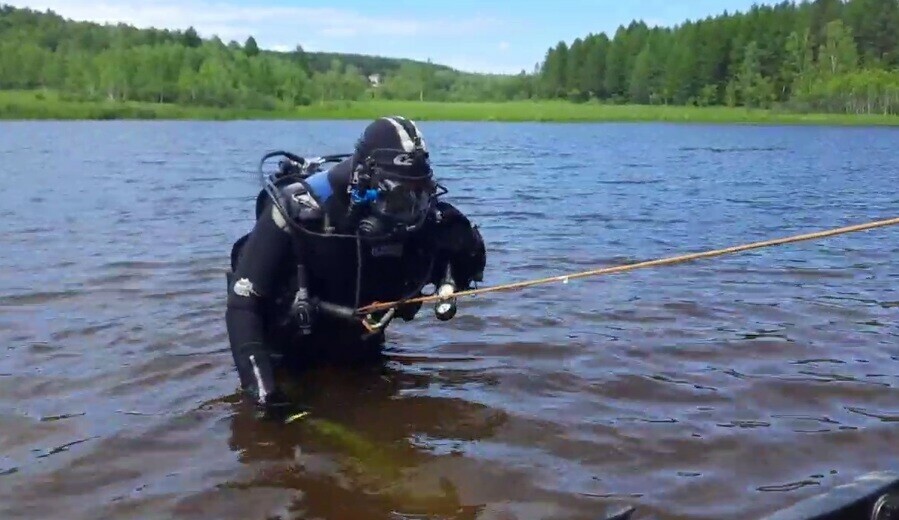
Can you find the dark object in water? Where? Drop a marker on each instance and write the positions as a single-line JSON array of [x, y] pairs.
[[874, 496], [471, 512]]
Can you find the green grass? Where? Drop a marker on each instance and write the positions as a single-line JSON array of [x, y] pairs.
[[47, 105], [563, 111]]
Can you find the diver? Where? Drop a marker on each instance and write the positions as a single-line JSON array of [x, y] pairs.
[[328, 242]]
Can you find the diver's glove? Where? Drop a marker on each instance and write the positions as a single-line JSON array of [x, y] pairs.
[[408, 311]]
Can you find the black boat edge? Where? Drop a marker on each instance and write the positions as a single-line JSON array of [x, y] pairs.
[[873, 496]]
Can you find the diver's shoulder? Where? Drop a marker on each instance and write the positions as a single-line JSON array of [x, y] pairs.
[[296, 202], [446, 213]]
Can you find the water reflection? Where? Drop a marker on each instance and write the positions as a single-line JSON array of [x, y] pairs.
[[372, 446]]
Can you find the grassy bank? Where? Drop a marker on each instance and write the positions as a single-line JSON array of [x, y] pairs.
[[17, 105], [40, 105]]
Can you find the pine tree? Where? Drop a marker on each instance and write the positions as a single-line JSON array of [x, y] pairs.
[[640, 78], [250, 47], [616, 63]]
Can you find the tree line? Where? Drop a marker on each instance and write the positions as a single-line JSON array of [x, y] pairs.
[[90, 61], [826, 55], [823, 55]]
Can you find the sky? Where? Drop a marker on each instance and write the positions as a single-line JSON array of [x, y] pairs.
[[465, 34]]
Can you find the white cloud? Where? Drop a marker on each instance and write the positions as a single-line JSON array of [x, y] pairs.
[[314, 28], [228, 21]]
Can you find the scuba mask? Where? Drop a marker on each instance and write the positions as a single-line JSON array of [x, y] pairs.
[[403, 203], [391, 193]]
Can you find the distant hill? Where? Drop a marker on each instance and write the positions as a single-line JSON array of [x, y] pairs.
[[97, 37], [90, 61], [321, 61]]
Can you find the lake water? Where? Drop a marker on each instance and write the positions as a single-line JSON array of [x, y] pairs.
[[723, 388]]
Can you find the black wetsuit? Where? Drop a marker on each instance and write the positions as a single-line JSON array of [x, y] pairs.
[[264, 267]]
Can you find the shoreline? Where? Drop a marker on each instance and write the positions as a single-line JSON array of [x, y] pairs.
[[46, 106]]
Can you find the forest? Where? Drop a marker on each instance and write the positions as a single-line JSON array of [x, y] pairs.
[[831, 56], [826, 55]]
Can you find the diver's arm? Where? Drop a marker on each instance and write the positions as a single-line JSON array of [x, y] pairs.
[[254, 279], [462, 244]]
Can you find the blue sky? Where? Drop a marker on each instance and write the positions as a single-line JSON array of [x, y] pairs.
[[466, 34]]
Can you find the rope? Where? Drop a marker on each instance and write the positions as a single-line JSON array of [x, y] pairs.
[[652, 263]]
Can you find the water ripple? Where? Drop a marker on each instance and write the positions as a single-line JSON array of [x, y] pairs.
[[118, 393]]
